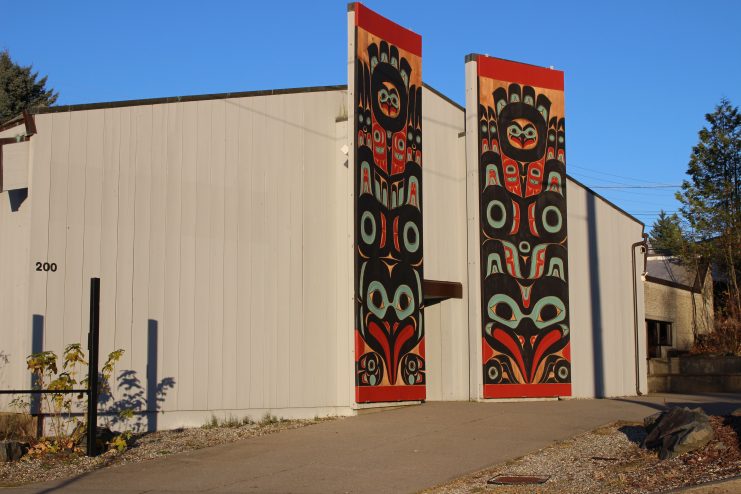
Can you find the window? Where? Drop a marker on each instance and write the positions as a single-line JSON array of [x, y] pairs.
[[659, 334]]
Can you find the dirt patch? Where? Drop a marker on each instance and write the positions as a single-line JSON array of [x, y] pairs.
[[609, 460], [143, 447]]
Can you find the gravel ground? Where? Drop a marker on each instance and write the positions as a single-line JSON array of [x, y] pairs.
[[142, 448], [608, 460]]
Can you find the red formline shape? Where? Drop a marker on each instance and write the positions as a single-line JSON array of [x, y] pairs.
[[526, 390], [376, 24], [522, 73], [368, 394]]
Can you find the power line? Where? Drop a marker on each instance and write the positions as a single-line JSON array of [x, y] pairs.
[[608, 174], [657, 186]]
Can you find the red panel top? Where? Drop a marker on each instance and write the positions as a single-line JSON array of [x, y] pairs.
[[385, 29], [532, 75]]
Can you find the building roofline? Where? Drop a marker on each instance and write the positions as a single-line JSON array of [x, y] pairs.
[[614, 206], [671, 284], [246, 94], [195, 97], [446, 98], [179, 99]]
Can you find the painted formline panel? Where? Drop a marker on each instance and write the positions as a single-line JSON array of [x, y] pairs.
[[389, 332], [523, 230]]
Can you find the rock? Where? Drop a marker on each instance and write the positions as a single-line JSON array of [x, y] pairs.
[[650, 422], [677, 431], [11, 451]]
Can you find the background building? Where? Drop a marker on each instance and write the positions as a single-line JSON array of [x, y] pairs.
[[679, 304]]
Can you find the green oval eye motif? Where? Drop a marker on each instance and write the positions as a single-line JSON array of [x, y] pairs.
[[484, 129], [531, 133], [560, 140], [551, 137], [498, 223], [360, 118], [368, 228], [514, 130], [367, 121], [548, 311], [403, 302], [410, 136], [504, 310], [376, 299], [493, 127], [555, 226], [418, 139], [411, 242]]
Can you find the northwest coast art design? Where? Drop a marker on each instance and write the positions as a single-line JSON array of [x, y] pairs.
[[389, 335], [524, 270]]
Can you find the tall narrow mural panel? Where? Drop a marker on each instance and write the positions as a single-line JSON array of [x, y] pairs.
[[522, 211], [389, 332]]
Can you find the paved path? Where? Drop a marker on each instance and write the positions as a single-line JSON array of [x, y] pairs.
[[401, 450]]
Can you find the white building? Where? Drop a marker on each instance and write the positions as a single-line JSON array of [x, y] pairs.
[[221, 228]]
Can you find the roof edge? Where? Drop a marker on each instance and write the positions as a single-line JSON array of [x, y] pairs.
[[614, 206], [180, 99], [443, 96]]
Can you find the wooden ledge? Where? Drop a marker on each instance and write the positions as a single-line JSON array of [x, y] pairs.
[[437, 291]]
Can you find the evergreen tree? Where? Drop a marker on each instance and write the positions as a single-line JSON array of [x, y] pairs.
[[666, 234], [711, 198], [21, 89]]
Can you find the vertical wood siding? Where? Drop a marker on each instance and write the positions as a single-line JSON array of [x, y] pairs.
[[444, 176], [211, 226], [15, 334]]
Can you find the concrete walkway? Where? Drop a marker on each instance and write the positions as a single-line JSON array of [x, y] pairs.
[[401, 450]]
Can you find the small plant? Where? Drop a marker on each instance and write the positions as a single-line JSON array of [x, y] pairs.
[[231, 421], [270, 419], [121, 441], [62, 407], [211, 423]]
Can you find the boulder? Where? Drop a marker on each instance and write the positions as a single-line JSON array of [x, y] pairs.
[[650, 422], [11, 450], [677, 431]]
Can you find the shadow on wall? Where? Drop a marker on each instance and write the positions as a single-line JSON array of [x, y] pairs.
[[143, 401], [138, 406], [595, 299], [16, 198]]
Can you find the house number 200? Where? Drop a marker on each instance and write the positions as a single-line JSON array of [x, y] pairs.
[[46, 266]]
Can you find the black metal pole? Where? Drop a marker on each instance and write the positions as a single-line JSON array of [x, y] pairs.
[[92, 343]]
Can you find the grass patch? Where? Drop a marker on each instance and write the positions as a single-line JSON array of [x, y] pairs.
[[230, 421]]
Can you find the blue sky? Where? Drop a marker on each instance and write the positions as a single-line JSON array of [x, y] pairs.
[[640, 75]]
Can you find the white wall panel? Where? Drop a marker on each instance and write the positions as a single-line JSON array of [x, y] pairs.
[[15, 165], [444, 203], [601, 295], [212, 229], [222, 232], [15, 270]]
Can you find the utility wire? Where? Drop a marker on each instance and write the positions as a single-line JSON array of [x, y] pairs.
[[570, 166], [657, 186]]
